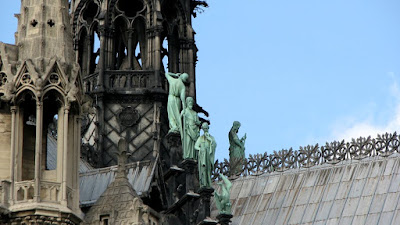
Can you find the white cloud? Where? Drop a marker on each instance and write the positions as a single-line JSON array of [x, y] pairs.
[[354, 128]]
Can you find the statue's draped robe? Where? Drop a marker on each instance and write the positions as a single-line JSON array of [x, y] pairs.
[[236, 152], [235, 149], [206, 149], [176, 87], [191, 133]]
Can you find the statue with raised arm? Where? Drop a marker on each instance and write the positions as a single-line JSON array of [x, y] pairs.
[[176, 98], [206, 146], [222, 199], [236, 148], [191, 129]]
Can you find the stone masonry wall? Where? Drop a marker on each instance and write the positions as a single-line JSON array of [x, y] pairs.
[[5, 145]]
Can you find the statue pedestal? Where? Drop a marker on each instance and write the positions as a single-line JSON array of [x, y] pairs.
[[224, 219], [205, 202], [174, 145], [190, 167]]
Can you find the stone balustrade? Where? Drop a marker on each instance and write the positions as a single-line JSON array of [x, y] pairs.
[[49, 191], [24, 190], [116, 80]]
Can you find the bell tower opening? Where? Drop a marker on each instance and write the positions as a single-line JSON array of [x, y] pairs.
[[28, 113], [51, 110]]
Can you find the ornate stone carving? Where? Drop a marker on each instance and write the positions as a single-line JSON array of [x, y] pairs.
[[54, 79], [26, 79], [3, 79], [128, 117]]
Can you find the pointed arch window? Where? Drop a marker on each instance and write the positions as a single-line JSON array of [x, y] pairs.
[[27, 136], [52, 102]]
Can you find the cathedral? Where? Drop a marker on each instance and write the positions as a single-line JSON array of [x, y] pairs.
[[85, 132]]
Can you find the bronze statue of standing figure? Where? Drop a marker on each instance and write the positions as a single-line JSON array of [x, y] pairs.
[[176, 99], [236, 149], [206, 146], [191, 130]]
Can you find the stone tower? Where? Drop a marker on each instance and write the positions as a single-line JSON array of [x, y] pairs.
[[41, 92], [124, 48]]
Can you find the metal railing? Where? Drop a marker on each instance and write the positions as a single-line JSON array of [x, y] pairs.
[[309, 156]]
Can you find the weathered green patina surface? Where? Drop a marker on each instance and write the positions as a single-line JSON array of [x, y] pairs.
[[222, 199], [191, 130], [206, 146], [176, 99], [236, 148]]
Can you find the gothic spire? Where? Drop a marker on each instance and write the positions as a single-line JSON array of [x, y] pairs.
[[44, 32]]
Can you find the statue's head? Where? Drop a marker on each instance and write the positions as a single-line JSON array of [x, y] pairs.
[[205, 127], [189, 102], [236, 125], [184, 77]]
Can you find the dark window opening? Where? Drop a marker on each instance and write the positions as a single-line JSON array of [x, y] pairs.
[[51, 108], [28, 108], [130, 7], [104, 220], [90, 12]]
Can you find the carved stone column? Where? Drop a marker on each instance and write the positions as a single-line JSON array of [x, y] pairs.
[[13, 149], [38, 149], [65, 157], [130, 49], [102, 58], [157, 55]]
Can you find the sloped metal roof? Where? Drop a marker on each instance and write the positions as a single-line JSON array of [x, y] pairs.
[[51, 158], [351, 192], [94, 182]]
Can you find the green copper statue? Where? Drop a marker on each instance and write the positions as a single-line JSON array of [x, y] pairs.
[[236, 148], [222, 200], [191, 130], [206, 145], [176, 97]]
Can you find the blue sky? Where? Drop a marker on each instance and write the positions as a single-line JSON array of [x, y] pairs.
[[292, 72]]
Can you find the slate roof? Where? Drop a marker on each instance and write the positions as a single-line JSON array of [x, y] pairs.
[[94, 182], [52, 156], [350, 192]]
